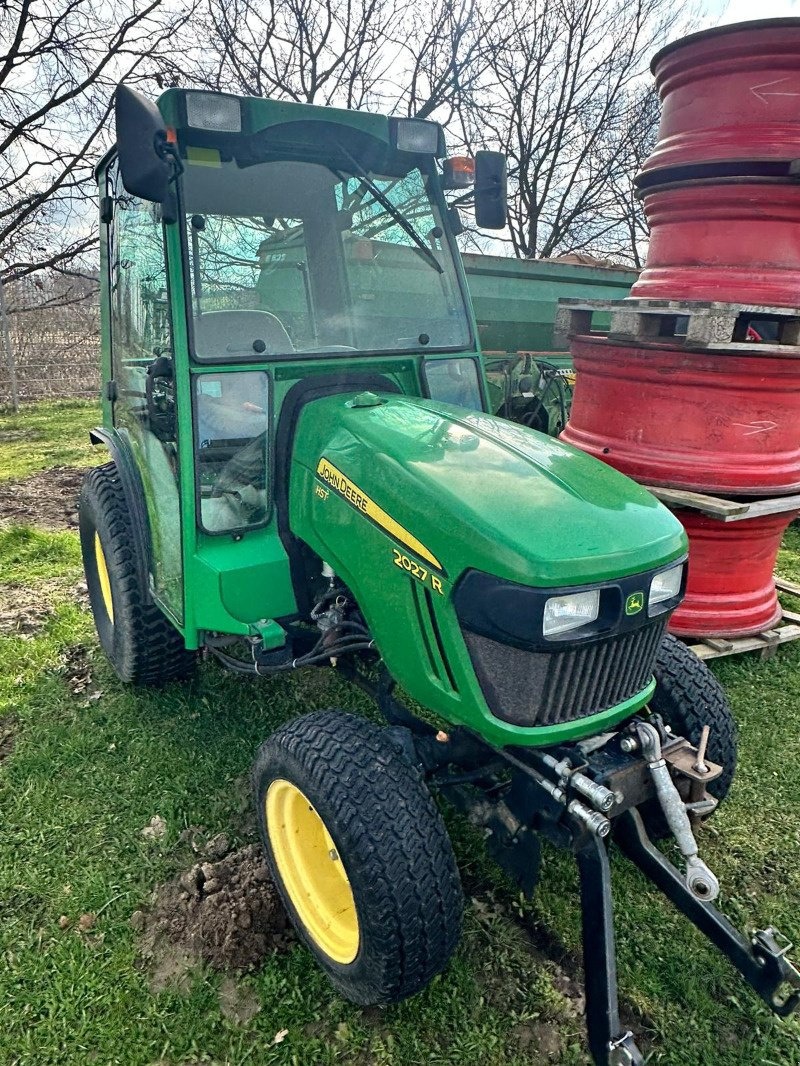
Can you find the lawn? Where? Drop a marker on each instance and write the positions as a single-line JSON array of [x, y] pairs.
[[47, 434], [86, 764]]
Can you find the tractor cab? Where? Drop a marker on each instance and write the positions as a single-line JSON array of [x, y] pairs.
[[250, 245]]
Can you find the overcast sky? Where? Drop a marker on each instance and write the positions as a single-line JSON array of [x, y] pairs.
[[720, 12]]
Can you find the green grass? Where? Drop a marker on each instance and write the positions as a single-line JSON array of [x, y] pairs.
[[30, 555], [87, 774], [84, 778], [46, 434]]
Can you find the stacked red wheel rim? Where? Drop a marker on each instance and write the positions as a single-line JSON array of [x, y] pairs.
[[697, 385], [728, 98]]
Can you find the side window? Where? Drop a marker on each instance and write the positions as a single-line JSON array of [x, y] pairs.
[[453, 381], [231, 422], [142, 366]]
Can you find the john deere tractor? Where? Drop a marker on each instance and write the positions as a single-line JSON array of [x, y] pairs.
[[303, 474]]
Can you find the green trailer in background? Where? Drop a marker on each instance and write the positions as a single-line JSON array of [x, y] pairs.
[[530, 376]]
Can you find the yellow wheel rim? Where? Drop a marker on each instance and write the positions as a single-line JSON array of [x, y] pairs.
[[312, 871], [102, 574]]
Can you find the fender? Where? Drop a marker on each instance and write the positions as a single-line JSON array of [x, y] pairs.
[[134, 497]]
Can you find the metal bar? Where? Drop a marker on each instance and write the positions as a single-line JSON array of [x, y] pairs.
[[608, 1045], [765, 971]]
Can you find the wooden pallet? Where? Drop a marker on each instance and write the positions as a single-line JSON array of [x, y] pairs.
[[766, 643], [689, 324], [722, 509]]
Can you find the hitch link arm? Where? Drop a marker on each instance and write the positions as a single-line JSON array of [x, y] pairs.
[[700, 880], [761, 960]]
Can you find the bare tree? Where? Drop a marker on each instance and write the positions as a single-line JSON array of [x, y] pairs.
[[559, 85], [384, 55], [556, 84], [302, 50], [446, 56], [637, 136], [60, 62], [564, 104]]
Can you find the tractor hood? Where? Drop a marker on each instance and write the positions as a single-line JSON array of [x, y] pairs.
[[470, 491]]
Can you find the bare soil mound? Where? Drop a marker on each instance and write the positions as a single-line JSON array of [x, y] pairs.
[[48, 498], [226, 914]]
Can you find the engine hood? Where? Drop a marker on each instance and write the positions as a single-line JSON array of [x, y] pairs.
[[477, 492]]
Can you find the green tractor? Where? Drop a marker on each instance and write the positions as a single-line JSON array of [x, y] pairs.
[[304, 473]]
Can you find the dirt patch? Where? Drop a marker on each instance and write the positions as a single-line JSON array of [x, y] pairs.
[[23, 619], [226, 914], [238, 1003], [48, 498], [8, 732], [540, 1040], [24, 609]]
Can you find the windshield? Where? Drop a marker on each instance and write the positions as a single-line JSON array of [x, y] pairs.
[[299, 257]]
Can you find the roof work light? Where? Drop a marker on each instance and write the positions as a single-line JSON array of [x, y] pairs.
[[217, 112], [416, 135]]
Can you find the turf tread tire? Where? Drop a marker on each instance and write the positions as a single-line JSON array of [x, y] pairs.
[[393, 843], [142, 644]]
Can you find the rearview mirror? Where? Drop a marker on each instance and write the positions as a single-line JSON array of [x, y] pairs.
[[490, 190], [141, 137]]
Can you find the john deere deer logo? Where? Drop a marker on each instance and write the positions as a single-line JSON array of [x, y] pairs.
[[634, 603]]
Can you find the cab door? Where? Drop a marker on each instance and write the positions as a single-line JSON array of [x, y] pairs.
[[143, 395]]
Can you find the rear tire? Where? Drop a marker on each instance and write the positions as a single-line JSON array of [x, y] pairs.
[[687, 697], [142, 644], [338, 805]]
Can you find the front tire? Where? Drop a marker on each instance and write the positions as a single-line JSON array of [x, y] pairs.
[[142, 644], [360, 855]]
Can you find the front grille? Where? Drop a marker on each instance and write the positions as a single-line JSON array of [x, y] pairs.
[[536, 688]]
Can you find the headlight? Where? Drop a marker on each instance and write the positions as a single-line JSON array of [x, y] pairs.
[[665, 586], [214, 111], [562, 613]]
